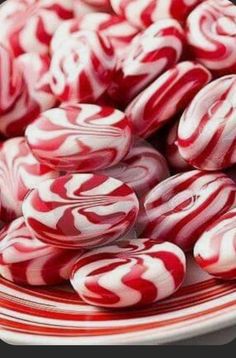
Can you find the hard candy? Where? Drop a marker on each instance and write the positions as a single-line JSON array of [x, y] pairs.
[[11, 80], [142, 13], [181, 207], [27, 261], [166, 97], [80, 211], [30, 24], [19, 173], [81, 69], [207, 129], [157, 49], [81, 138], [35, 98], [129, 274], [99, 4], [215, 251], [211, 32], [142, 169]]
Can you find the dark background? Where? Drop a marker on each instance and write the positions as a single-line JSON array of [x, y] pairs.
[[7, 350]]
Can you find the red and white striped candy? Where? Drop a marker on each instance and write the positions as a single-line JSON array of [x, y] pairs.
[[215, 251], [82, 137], [27, 261], [165, 97], [19, 173], [31, 23], [81, 69], [211, 32], [142, 13], [207, 129], [81, 8], [180, 208], [99, 4], [80, 211], [116, 29], [11, 83], [35, 98], [142, 169], [173, 156], [128, 274], [158, 48]]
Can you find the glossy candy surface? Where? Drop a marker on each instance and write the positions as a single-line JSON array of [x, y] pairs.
[[142, 169], [215, 251], [11, 82], [81, 138], [19, 173], [165, 97], [207, 129], [127, 274], [27, 261], [80, 211], [35, 97], [81, 69], [158, 48], [181, 207], [30, 24], [99, 4], [142, 13], [211, 32]]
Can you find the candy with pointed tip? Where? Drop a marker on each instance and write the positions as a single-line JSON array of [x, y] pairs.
[[129, 274], [157, 49], [11, 80], [116, 29], [80, 211], [19, 173], [81, 138], [181, 207], [35, 98], [31, 23], [142, 13], [142, 169], [81, 69], [207, 129], [215, 251], [173, 156], [166, 97], [211, 33], [27, 261]]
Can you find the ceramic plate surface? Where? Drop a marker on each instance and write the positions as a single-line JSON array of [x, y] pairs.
[[56, 316]]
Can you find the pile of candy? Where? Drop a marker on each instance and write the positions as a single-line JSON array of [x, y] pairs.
[[118, 145]]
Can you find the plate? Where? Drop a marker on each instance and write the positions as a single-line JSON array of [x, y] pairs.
[[56, 316]]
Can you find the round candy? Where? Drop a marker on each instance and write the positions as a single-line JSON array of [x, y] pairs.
[[142, 169], [165, 97], [11, 82], [116, 29], [82, 137], [80, 210], [173, 156], [207, 129], [81, 69], [215, 251], [27, 261], [180, 208], [158, 48], [211, 32], [31, 23], [129, 274], [142, 13], [19, 173], [36, 96]]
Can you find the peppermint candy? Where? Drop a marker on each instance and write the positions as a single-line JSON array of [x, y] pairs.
[[80, 211], [181, 207], [215, 251], [80, 138], [207, 129]]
